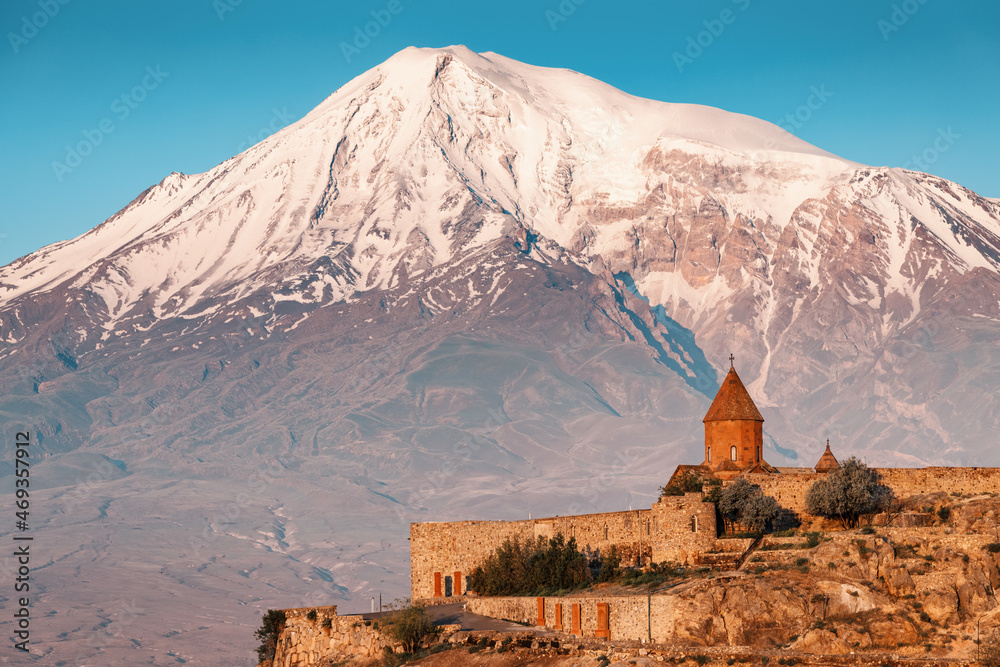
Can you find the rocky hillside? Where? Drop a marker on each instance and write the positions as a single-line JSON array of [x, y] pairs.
[[923, 593]]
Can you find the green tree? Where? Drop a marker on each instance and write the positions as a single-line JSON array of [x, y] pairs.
[[408, 624], [610, 565], [520, 567], [734, 497], [744, 503], [848, 494], [271, 625], [714, 491], [759, 510]]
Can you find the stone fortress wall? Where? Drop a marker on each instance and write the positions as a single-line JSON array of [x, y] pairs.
[[790, 489], [677, 528], [619, 617], [305, 641]]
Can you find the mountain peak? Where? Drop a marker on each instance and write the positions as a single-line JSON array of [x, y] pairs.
[[438, 153]]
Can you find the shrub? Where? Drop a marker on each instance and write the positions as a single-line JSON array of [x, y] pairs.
[[993, 547], [989, 651], [408, 625], [813, 539], [311, 615], [925, 617], [848, 494], [327, 623], [801, 561], [687, 482], [867, 530], [944, 512], [271, 625], [657, 574]]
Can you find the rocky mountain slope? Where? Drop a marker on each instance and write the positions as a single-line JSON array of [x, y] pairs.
[[464, 286]]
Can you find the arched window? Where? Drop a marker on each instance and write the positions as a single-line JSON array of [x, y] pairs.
[[758, 453], [709, 454], [605, 532], [732, 452], [694, 524]]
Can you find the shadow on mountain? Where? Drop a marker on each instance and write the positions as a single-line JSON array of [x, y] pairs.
[[687, 360]]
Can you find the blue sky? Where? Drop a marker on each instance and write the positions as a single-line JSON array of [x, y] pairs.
[[152, 88]]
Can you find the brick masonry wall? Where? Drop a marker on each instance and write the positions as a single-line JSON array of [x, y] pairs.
[[307, 642], [678, 528]]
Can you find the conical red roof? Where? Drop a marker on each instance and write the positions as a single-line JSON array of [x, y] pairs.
[[827, 462], [733, 402]]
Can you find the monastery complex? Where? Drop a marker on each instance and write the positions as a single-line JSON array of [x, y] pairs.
[[676, 528], [683, 529]]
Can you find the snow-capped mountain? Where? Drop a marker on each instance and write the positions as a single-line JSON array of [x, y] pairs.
[[378, 178], [459, 287]]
